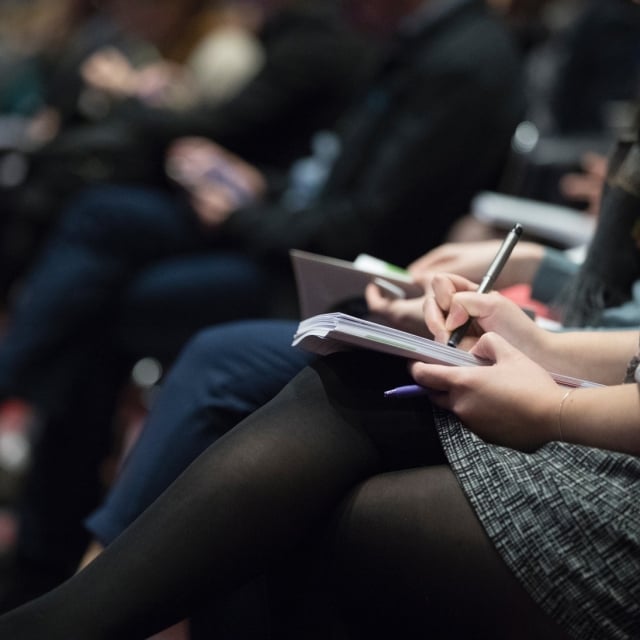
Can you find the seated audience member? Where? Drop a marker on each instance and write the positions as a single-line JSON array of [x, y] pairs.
[[45, 43], [396, 500], [216, 56], [314, 64], [58, 40], [431, 130]]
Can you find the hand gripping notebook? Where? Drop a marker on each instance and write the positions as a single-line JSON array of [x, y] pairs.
[[325, 283], [330, 332]]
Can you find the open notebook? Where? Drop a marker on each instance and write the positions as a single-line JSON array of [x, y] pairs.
[[330, 332]]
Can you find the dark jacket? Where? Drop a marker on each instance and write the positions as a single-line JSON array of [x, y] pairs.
[[599, 64], [314, 65], [432, 129]]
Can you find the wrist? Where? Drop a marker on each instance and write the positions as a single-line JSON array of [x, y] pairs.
[[562, 419], [548, 416], [548, 350]]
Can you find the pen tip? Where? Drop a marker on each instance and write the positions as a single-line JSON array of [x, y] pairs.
[[517, 228]]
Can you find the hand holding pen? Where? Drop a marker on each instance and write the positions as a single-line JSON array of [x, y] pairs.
[[432, 307], [490, 277]]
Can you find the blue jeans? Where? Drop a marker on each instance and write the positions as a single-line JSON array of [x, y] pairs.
[[128, 272], [223, 375], [123, 260]]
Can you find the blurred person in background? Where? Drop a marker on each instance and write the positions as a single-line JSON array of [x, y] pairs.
[[58, 40], [218, 53], [302, 65]]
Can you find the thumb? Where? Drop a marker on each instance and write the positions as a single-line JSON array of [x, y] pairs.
[[476, 305], [493, 347], [457, 316]]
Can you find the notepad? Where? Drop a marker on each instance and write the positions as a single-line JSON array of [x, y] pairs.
[[331, 332], [323, 283]]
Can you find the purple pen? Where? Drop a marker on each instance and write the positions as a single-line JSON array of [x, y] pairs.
[[406, 391]]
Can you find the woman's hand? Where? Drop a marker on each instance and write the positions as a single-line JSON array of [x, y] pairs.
[[440, 289], [402, 313], [157, 84], [450, 300], [218, 181], [162, 84], [471, 260], [513, 402]]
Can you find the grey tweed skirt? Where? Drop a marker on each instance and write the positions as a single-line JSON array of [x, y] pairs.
[[565, 519]]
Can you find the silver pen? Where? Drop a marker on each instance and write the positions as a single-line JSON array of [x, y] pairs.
[[490, 277]]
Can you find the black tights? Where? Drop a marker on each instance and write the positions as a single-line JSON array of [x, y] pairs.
[[331, 454]]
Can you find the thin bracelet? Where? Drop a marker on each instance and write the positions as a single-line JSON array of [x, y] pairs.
[[564, 397]]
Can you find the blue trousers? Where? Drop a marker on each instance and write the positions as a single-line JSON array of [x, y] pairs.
[[128, 272], [224, 374], [127, 262]]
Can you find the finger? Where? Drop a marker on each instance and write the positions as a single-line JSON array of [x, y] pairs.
[[445, 285], [476, 305], [439, 291], [428, 262], [435, 319], [494, 348], [210, 204], [377, 300], [435, 377], [374, 297]]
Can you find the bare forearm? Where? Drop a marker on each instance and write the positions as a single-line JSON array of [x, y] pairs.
[[606, 418], [598, 356]]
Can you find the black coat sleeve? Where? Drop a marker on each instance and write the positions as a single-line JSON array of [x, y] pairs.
[[436, 147]]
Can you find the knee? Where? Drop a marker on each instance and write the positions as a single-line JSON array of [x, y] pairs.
[[211, 363], [397, 521], [239, 365], [210, 346], [245, 344], [105, 212]]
